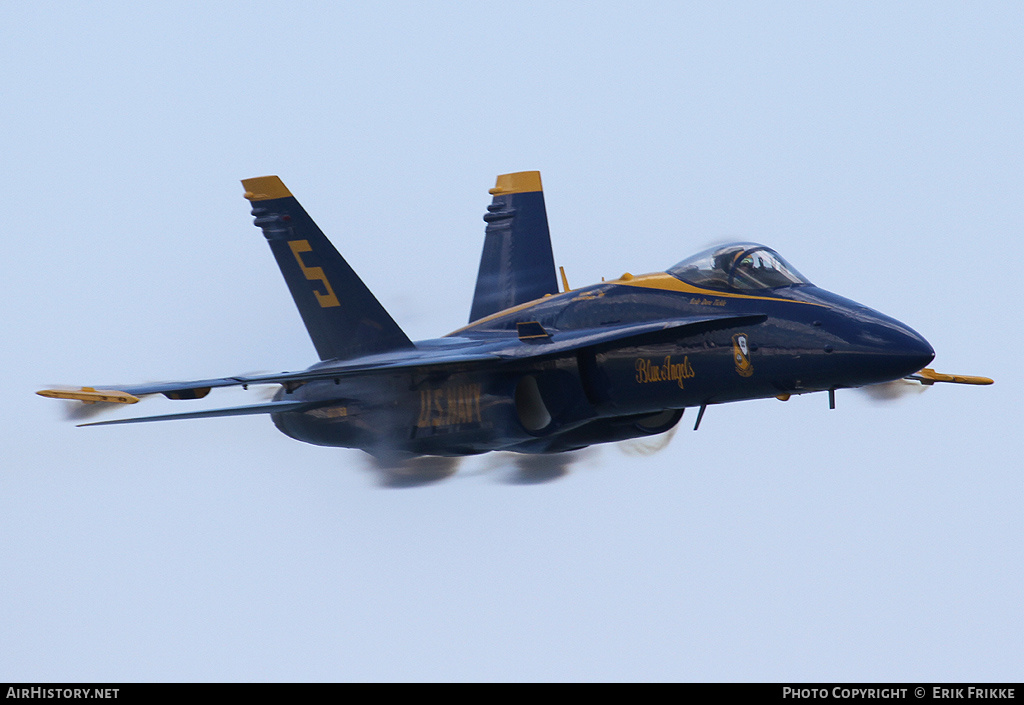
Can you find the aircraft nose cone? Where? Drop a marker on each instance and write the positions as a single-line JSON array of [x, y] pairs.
[[901, 351], [872, 347], [912, 352]]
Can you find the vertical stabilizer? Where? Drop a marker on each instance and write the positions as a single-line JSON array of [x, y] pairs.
[[343, 318], [517, 264]]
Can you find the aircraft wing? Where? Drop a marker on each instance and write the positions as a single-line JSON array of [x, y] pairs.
[[542, 343], [531, 340]]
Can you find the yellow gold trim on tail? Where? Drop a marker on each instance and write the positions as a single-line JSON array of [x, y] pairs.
[[90, 395], [520, 182], [264, 188]]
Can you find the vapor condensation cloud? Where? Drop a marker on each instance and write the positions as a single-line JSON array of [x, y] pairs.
[[893, 391]]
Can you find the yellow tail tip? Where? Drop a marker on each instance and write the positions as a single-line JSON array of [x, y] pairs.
[[264, 188], [520, 182]]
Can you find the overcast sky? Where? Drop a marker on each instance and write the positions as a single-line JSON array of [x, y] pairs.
[[877, 146]]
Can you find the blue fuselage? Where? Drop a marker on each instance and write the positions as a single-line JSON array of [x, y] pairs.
[[790, 340]]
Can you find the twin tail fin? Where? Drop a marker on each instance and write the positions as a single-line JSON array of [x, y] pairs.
[[342, 316], [517, 264]]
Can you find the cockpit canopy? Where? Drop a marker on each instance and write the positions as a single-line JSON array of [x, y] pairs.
[[744, 266]]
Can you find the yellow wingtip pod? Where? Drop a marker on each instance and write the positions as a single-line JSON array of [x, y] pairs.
[[264, 188], [90, 395], [932, 376], [519, 182]]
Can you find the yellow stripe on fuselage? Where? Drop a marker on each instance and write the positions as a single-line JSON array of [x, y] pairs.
[[659, 280], [505, 312], [667, 282]]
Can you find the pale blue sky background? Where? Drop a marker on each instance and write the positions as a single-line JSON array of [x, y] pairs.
[[878, 146]]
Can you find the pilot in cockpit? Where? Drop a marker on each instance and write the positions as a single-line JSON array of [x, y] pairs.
[[743, 266]]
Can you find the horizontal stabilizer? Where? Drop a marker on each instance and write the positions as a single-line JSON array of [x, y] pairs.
[[270, 408]]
